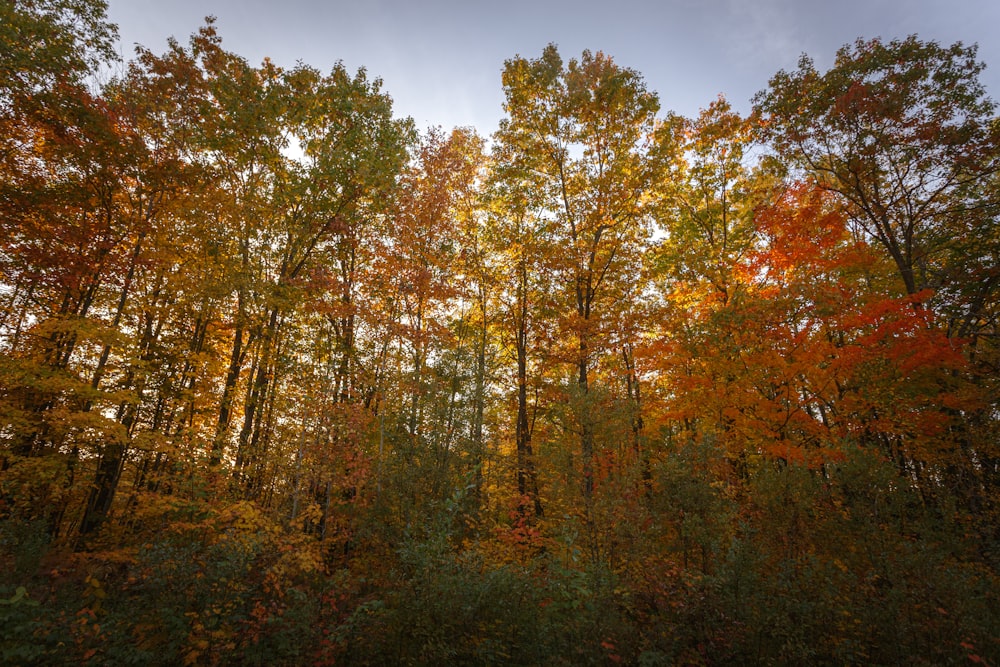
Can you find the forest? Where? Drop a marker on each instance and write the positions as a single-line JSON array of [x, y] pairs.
[[287, 381]]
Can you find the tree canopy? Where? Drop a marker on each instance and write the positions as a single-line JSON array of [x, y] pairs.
[[286, 381]]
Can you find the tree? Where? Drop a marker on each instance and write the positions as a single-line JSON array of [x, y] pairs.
[[517, 240], [434, 205], [905, 133], [580, 134]]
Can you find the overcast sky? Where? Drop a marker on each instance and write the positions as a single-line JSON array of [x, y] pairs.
[[440, 60]]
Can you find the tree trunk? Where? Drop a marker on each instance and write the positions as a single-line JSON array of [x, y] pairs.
[[527, 482]]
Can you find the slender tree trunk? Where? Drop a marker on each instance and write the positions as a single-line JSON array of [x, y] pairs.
[[228, 393], [102, 493], [527, 482], [586, 422], [479, 400], [635, 399], [584, 296]]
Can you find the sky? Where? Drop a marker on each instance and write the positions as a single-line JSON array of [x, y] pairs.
[[441, 60]]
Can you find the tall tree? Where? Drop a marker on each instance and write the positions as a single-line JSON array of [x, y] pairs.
[[583, 131], [517, 240], [904, 133]]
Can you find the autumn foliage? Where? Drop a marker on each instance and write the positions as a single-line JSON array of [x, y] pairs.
[[286, 381]]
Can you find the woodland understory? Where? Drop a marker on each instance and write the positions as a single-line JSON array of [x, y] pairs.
[[286, 381]]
